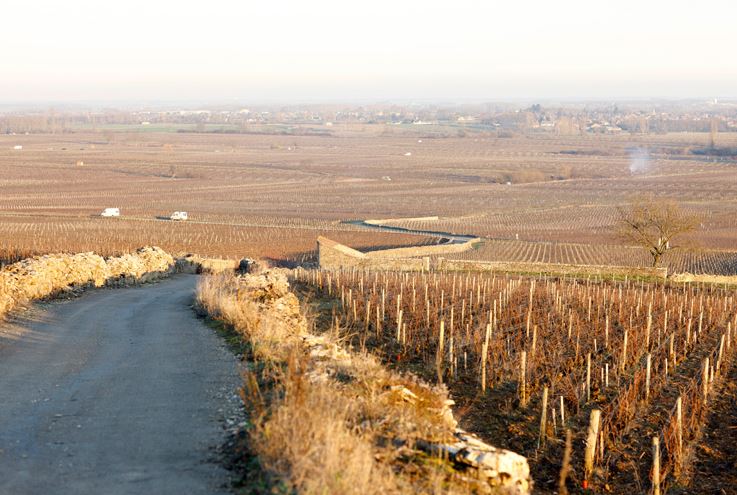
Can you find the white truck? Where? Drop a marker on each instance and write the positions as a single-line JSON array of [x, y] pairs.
[[110, 212], [179, 215]]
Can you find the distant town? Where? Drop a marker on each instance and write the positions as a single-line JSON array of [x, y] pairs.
[[643, 117]]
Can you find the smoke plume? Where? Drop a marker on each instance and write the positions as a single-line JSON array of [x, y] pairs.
[[639, 161]]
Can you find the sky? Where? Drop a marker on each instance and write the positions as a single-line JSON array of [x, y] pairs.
[[343, 50]]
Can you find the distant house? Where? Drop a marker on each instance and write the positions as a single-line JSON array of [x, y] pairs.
[[17, 147]]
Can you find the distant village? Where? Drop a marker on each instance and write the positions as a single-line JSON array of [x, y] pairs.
[[563, 119]]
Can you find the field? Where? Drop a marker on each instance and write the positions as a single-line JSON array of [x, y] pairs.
[[527, 359], [535, 197], [692, 261], [617, 363]]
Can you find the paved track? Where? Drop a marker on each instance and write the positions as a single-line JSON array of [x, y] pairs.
[[121, 391]]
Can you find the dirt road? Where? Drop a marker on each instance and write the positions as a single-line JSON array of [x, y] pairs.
[[121, 391]]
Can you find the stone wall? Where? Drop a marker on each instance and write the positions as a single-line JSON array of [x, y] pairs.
[[703, 278], [45, 276], [333, 255], [384, 221], [193, 263], [414, 252], [550, 268]]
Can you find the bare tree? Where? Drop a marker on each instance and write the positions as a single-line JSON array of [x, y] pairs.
[[655, 225]]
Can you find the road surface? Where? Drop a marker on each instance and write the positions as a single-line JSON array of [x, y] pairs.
[[120, 391]]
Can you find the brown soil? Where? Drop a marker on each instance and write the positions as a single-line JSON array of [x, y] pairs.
[[715, 464]]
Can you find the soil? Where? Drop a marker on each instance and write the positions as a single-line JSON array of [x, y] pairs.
[[715, 465]]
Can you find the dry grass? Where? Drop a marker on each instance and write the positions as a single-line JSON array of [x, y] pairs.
[[325, 420], [271, 338], [306, 440]]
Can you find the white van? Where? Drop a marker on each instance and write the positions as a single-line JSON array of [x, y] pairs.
[[110, 212], [179, 215]]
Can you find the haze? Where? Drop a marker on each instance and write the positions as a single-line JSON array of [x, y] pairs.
[[329, 50]]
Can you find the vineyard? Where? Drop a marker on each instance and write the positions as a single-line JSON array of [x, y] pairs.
[[677, 261], [628, 369], [535, 197], [21, 237]]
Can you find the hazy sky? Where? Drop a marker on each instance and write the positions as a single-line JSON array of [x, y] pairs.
[[72, 50]]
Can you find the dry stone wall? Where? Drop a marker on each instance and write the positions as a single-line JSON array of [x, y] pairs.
[[414, 252], [44, 276], [193, 263], [385, 221], [333, 255], [703, 278]]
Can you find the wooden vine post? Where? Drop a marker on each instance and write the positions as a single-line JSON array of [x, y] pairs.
[[439, 355], [588, 377], [543, 418], [705, 379], [647, 376], [679, 432], [591, 436], [484, 353], [623, 363], [523, 379], [656, 466]]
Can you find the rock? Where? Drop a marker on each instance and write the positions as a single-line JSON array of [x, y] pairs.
[[193, 263], [406, 394], [246, 265], [45, 276], [499, 467]]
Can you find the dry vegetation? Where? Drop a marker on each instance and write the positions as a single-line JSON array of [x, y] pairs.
[[272, 195], [328, 421], [628, 349]]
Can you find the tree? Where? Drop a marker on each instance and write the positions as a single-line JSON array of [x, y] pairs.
[[655, 225]]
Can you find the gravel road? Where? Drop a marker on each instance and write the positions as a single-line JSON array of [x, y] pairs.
[[121, 391]]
